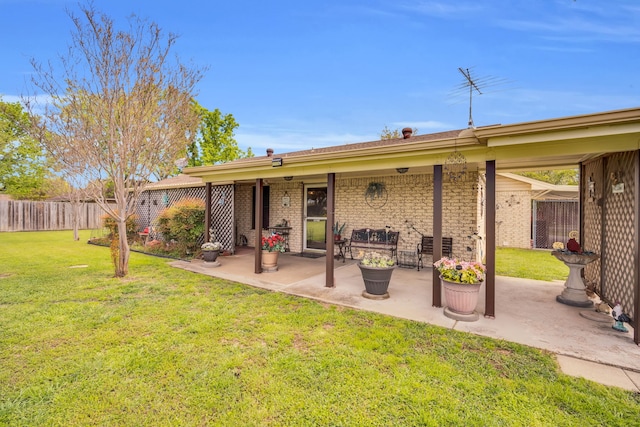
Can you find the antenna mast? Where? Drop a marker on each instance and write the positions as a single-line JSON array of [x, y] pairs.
[[472, 85]]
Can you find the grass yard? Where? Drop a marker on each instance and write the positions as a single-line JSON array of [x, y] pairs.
[[530, 264], [164, 346]]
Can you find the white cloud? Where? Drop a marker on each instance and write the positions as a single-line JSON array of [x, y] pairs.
[[10, 98], [545, 104], [448, 9]]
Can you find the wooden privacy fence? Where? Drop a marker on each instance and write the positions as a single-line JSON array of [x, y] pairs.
[[24, 215]]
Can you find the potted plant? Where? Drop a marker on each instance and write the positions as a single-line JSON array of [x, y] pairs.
[[461, 281], [374, 190], [376, 269], [210, 251], [271, 247], [338, 229]]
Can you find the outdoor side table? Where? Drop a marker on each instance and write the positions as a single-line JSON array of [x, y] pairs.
[[284, 232], [341, 245]]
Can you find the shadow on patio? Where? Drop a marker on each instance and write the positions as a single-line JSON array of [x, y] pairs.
[[526, 310]]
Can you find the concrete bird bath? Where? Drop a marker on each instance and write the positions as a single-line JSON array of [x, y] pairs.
[[574, 293]]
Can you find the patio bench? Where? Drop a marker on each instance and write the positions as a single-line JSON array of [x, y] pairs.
[[426, 248], [369, 239]]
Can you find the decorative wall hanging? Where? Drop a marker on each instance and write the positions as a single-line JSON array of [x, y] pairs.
[[286, 200], [617, 186], [376, 195], [455, 166], [512, 200]]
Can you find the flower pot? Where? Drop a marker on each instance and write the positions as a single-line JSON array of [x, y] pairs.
[[270, 261], [210, 256], [461, 299], [376, 281]]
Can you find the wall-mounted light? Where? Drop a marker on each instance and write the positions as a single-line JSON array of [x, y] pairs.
[[402, 170], [276, 162], [288, 178]]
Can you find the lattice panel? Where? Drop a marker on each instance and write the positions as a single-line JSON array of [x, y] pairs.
[[152, 202], [617, 262], [592, 200], [222, 214], [143, 211]]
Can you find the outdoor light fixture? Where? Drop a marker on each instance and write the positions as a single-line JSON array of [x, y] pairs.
[[402, 170], [288, 178], [276, 162]]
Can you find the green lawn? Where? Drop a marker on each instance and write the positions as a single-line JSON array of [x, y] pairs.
[[163, 346], [530, 264]]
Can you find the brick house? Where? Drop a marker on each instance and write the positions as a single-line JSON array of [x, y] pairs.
[[534, 214], [442, 184]]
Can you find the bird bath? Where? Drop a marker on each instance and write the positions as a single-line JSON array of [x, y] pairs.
[[574, 289]]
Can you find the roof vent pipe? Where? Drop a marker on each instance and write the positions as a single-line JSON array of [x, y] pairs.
[[269, 152], [406, 133]]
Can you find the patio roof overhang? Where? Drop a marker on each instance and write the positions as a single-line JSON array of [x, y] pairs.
[[546, 144], [348, 160], [563, 142]]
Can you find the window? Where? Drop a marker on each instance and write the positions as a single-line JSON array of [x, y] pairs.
[[265, 207]]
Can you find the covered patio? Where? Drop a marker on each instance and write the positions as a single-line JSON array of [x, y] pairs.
[[425, 185], [529, 312]]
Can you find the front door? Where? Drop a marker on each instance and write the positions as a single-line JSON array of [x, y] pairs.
[[315, 224]]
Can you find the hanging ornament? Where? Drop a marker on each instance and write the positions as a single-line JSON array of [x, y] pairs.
[[455, 167]]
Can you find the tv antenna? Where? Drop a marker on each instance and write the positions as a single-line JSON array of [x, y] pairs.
[[477, 84]]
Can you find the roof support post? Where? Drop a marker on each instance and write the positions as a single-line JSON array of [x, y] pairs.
[[437, 233], [207, 212], [331, 215], [582, 189], [490, 226], [258, 225], [636, 252]]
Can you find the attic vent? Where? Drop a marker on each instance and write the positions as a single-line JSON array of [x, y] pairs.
[[269, 152], [406, 133]]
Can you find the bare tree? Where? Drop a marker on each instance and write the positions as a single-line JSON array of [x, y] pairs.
[[121, 109]]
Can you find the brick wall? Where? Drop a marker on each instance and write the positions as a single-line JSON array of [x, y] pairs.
[[293, 213], [408, 201], [513, 219], [243, 197], [277, 212]]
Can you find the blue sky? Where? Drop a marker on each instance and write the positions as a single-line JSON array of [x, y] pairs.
[[312, 73]]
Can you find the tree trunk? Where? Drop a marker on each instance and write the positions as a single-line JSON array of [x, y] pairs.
[[122, 262], [75, 211]]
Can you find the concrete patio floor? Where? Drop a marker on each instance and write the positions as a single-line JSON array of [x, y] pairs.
[[526, 311]]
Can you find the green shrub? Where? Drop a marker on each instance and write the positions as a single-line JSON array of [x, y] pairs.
[[184, 223], [110, 224]]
